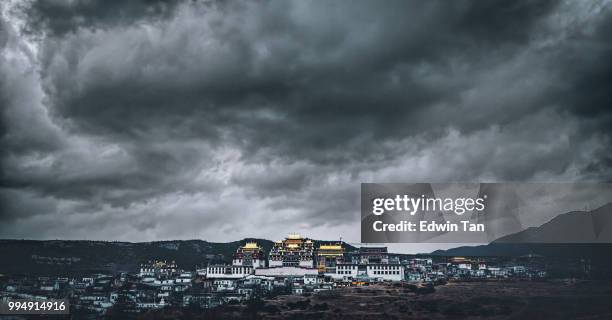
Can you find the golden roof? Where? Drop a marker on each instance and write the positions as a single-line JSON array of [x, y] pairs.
[[251, 245], [330, 247]]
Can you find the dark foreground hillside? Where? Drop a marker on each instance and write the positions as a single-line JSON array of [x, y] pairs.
[[455, 300]]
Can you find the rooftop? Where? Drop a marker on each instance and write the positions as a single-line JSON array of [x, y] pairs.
[[251, 245], [331, 247]]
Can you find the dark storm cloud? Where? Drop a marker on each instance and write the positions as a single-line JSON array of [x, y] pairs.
[[59, 17], [589, 72], [313, 78], [175, 119]]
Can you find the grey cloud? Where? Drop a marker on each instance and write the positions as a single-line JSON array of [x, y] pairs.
[[239, 64], [58, 17], [589, 74], [152, 119]]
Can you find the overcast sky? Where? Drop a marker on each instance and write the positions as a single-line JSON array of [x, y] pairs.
[[144, 120]]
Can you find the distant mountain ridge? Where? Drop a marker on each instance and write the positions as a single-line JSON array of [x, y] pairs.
[[572, 234], [587, 234], [573, 227]]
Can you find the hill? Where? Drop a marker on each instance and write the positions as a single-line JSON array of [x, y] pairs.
[[69, 257], [74, 257], [576, 234]]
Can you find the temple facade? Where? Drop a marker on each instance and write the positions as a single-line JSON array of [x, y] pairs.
[[293, 251], [328, 256], [371, 255], [297, 256], [251, 255]]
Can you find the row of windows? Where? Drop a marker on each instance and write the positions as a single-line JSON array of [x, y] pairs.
[[347, 267], [370, 267], [375, 272], [344, 272], [153, 269], [385, 267], [248, 259], [234, 270], [386, 272]]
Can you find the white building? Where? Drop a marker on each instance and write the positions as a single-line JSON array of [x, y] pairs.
[[224, 284], [497, 272], [152, 305], [184, 278], [286, 272], [228, 272], [346, 270], [310, 279], [465, 265], [389, 272]]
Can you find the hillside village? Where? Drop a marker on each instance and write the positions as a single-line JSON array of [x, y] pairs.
[[293, 266]]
